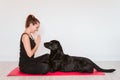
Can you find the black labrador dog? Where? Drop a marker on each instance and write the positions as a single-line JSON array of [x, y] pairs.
[[59, 61]]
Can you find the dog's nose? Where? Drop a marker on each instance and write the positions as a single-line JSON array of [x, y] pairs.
[[46, 44]]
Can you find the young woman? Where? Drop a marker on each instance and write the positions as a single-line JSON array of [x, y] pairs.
[[28, 47]]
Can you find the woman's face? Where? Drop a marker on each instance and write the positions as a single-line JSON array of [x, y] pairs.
[[35, 27]]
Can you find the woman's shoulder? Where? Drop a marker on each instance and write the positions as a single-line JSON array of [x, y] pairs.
[[25, 34]]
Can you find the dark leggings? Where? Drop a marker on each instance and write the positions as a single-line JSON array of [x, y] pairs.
[[41, 67]]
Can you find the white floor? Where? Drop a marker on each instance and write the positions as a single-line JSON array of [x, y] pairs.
[[6, 67]]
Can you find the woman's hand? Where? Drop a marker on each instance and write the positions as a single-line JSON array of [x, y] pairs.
[[37, 41]]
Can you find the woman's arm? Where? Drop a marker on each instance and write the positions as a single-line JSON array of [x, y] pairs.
[[26, 43]]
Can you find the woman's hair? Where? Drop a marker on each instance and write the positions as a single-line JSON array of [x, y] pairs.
[[31, 19]]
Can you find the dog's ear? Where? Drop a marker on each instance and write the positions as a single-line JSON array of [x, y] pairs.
[[59, 45]]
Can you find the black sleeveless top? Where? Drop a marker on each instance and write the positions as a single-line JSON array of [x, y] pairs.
[[24, 59]]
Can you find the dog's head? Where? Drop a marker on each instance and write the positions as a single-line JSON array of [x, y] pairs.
[[55, 48], [53, 45]]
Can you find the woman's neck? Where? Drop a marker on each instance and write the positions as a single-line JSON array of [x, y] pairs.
[[27, 30]]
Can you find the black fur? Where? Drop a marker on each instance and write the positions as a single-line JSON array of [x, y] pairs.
[[61, 62]]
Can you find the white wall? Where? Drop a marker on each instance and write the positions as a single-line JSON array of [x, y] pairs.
[[87, 28]]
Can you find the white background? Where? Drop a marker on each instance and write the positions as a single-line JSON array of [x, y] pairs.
[[89, 28]]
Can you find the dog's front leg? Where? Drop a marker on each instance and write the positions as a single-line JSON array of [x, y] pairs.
[[55, 66]]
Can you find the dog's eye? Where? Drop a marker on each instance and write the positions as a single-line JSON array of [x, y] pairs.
[[55, 46]]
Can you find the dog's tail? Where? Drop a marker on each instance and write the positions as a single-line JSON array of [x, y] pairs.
[[103, 70]]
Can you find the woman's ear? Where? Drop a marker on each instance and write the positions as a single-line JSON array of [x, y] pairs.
[[30, 25]]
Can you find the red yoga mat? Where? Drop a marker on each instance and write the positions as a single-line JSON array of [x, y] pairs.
[[16, 72]]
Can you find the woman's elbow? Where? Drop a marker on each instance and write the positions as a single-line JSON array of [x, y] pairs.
[[30, 55]]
